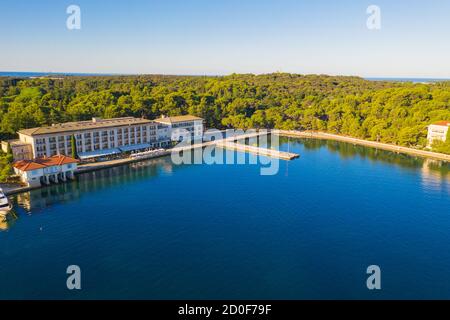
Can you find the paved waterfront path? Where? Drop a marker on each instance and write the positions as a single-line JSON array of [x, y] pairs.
[[88, 167], [118, 162], [373, 144]]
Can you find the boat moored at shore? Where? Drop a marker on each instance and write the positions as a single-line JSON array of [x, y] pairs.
[[149, 154], [5, 206]]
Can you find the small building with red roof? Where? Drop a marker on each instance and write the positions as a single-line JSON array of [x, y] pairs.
[[438, 131], [34, 173]]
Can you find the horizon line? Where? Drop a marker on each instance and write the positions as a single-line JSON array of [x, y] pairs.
[[221, 75]]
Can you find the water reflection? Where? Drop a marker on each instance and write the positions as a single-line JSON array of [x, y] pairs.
[[36, 201], [434, 173], [8, 220]]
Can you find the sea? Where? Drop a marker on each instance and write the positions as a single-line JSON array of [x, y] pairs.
[[311, 230]]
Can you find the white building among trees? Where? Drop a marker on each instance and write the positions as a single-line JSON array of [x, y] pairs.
[[438, 131]]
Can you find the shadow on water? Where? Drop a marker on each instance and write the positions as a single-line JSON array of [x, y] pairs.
[[350, 151]]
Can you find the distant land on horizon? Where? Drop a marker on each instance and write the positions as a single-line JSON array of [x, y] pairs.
[[75, 74]]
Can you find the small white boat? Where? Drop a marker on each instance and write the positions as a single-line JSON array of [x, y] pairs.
[[5, 206], [149, 154]]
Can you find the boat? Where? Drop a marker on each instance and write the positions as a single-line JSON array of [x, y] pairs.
[[5, 206], [149, 154]]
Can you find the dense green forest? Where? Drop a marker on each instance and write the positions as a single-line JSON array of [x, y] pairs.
[[388, 112]]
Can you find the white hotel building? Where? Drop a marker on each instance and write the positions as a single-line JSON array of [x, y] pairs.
[[105, 137], [438, 131], [175, 127]]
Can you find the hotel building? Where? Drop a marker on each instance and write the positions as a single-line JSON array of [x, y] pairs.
[[176, 125], [99, 138]]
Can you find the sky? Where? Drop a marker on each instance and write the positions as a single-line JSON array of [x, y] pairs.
[[216, 37]]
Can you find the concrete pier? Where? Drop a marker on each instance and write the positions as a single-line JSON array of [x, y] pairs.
[[257, 150], [230, 143]]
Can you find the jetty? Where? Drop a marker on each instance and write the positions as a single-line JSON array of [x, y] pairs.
[[257, 150], [230, 143]]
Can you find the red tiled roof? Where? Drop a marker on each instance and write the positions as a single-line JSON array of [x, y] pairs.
[[40, 163], [57, 160], [28, 165], [442, 123]]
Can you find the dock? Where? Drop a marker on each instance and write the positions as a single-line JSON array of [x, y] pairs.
[[215, 142], [230, 144], [257, 150]]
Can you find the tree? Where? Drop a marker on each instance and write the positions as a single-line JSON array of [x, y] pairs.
[[5, 166], [73, 144], [9, 152], [375, 110], [441, 146]]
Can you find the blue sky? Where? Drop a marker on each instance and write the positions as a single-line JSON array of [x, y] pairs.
[[226, 36]]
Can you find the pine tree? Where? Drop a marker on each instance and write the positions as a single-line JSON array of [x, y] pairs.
[[73, 143]]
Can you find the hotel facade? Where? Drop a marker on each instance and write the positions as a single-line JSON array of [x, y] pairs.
[[103, 137], [177, 127]]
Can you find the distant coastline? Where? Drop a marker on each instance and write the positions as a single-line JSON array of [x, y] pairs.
[[413, 80], [52, 74], [74, 74]]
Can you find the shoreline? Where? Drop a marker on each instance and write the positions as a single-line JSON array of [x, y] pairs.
[[86, 168], [283, 133], [90, 167], [365, 143]]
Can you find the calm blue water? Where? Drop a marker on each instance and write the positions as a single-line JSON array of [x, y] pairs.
[[158, 231]]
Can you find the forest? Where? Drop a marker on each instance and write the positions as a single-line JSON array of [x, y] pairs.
[[390, 112]]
